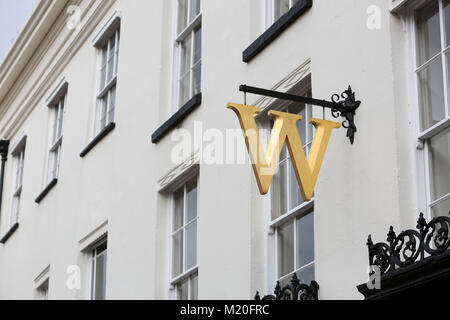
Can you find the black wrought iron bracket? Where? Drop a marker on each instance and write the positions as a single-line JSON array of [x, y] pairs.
[[344, 105], [293, 291]]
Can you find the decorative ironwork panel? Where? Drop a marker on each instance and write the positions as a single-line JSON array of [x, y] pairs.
[[410, 246], [293, 291]]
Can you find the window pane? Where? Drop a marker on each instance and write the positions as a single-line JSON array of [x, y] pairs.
[[60, 118], [112, 104], [185, 86], [195, 9], [440, 165], [428, 31], [101, 248], [431, 90], [194, 288], [305, 240], [15, 211], [447, 57], [198, 45], [191, 245], [295, 197], [17, 172], [178, 214], [100, 277], [58, 161], [197, 78], [286, 249], [185, 67], [446, 5], [185, 56], [191, 201], [21, 164], [182, 15], [54, 122], [177, 259], [102, 104], [441, 209], [279, 192], [183, 290], [281, 7], [112, 48], [306, 275], [51, 166], [197, 64], [117, 53], [103, 69]]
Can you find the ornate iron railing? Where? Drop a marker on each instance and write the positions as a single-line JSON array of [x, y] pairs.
[[410, 246], [293, 291]]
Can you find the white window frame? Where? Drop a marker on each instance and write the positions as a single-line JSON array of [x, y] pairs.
[[194, 271], [421, 137], [270, 6], [93, 262], [103, 40], [42, 285], [18, 153], [57, 105], [302, 210], [190, 29]]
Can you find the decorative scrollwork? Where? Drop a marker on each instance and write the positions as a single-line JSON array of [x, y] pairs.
[[346, 106], [410, 246], [293, 291]]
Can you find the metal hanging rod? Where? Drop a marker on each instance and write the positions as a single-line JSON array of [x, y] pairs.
[[344, 105]]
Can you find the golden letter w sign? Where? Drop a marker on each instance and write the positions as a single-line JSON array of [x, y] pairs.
[[284, 130]]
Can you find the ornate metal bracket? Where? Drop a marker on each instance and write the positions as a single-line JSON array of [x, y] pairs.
[[346, 108], [344, 105], [410, 246], [293, 291]]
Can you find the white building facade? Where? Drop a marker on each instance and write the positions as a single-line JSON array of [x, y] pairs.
[[98, 201]]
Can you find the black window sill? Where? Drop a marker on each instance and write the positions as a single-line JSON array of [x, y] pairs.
[[276, 29], [10, 233], [46, 191], [110, 127], [178, 117]]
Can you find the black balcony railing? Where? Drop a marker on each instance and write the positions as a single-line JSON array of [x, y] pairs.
[[411, 263], [293, 291], [410, 246]]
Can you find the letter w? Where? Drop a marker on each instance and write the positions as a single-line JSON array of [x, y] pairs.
[[284, 130]]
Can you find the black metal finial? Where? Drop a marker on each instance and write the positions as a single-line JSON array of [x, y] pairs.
[[391, 235], [369, 241]]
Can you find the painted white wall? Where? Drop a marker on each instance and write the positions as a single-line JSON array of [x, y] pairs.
[[362, 189]]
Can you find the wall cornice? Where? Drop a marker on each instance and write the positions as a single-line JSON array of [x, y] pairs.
[[27, 41], [92, 14]]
